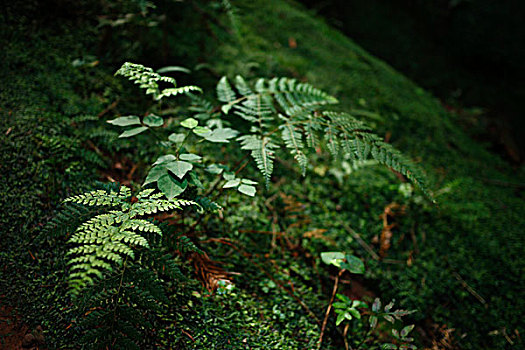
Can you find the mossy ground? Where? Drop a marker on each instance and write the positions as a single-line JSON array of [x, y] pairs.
[[471, 238]]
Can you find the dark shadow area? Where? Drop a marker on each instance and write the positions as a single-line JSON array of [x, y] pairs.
[[469, 53]]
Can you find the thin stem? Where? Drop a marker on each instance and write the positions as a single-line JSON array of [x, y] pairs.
[[334, 291]]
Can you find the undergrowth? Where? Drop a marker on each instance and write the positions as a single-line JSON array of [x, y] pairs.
[[260, 281]]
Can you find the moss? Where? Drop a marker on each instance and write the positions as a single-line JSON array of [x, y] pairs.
[[475, 232]]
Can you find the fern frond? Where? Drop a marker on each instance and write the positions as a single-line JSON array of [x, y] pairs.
[[149, 80], [109, 239], [100, 198], [178, 91], [293, 141], [295, 109], [262, 152], [332, 140], [242, 86], [358, 142], [224, 91]]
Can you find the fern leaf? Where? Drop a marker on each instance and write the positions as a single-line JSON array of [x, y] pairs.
[[180, 90], [293, 141], [332, 140], [224, 91], [261, 151], [242, 86]]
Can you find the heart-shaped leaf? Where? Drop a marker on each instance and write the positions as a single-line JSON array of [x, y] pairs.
[[154, 174], [179, 168], [170, 186]]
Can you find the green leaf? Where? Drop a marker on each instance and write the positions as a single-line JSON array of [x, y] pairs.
[[190, 157], [154, 174], [189, 123], [226, 108], [232, 183], [373, 321], [343, 298], [406, 330], [340, 305], [177, 138], [173, 69], [165, 159], [133, 132], [170, 186], [248, 182], [389, 306], [224, 91], [214, 169], [228, 176], [179, 168], [247, 190], [389, 319], [376, 306], [221, 135], [340, 319], [125, 121], [153, 120], [355, 313], [202, 131], [353, 264], [332, 258], [359, 303], [389, 346]]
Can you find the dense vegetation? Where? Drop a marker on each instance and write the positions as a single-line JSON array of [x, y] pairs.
[[196, 227]]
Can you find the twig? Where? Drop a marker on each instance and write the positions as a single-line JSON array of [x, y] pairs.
[[469, 288], [329, 308], [363, 244], [345, 332], [109, 108]]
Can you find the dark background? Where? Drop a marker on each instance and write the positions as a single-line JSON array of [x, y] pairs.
[[469, 53]]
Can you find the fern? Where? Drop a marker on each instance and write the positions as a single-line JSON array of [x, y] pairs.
[[262, 151], [297, 111], [109, 239], [293, 140], [122, 308], [149, 80]]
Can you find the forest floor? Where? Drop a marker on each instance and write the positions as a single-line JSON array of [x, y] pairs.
[[459, 264]]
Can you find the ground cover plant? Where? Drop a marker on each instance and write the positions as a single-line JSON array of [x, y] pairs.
[[202, 231]]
